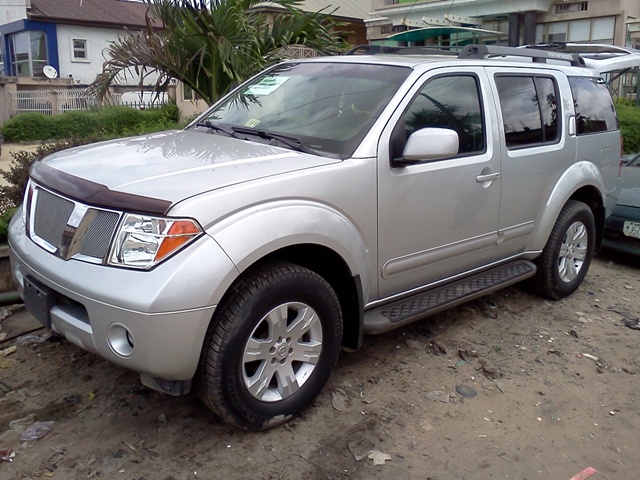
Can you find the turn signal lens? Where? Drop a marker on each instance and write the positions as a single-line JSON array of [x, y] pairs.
[[180, 233]]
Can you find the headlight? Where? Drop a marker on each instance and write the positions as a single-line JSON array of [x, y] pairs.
[[143, 241]]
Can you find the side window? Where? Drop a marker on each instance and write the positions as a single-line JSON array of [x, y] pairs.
[[529, 110], [450, 102], [79, 50], [594, 108]]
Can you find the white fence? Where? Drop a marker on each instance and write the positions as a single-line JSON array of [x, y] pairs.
[[299, 51], [52, 102]]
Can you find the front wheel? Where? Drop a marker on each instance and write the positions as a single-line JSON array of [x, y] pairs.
[[566, 257], [271, 346]]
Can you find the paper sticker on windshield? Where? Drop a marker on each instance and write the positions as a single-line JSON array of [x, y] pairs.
[[266, 86], [252, 123]]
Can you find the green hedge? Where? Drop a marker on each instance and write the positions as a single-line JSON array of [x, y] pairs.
[[629, 118], [5, 218], [107, 122]]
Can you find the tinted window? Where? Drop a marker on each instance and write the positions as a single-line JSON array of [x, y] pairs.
[[529, 110], [449, 102], [594, 108], [547, 96]]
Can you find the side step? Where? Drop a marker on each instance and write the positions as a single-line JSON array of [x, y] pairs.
[[421, 305]]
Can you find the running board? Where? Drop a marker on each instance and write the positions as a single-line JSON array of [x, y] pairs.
[[394, 315]]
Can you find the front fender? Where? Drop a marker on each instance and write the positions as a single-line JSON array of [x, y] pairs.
[[253, 233], [579, 175]]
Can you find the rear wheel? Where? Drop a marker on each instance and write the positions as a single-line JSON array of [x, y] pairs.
[[271, 347], [566, 258]]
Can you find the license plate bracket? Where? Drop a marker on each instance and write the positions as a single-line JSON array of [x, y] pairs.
[[632, 229], [39, 300]]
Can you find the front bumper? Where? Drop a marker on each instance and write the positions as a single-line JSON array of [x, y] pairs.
[[153, 322]]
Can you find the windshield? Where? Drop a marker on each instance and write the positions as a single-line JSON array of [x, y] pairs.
[[324, 108]]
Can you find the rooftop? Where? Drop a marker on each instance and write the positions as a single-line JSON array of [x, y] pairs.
[[105, 13]]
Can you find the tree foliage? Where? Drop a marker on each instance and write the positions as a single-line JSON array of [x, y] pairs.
[[211, 45]]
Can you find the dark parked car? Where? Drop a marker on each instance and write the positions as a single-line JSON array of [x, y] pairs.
[[623, 226]]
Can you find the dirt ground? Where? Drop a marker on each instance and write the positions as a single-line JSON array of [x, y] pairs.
[[555, 384]]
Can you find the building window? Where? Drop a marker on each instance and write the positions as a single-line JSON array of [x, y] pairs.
[[79, 50], [572, 7], [557, 37], [589, 30], [187, 92], [28, 53]]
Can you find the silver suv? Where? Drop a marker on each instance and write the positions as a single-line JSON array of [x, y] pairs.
[[319, 201]]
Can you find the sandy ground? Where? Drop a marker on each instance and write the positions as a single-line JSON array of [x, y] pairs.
[[555, 383]]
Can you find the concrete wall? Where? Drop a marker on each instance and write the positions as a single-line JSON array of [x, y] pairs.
[[7, 86], [98, 40], [12, 10]]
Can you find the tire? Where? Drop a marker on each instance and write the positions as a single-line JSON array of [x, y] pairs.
[[566, 258], [271, 346]]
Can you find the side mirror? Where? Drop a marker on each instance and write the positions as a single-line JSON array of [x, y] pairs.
[[430, 144]]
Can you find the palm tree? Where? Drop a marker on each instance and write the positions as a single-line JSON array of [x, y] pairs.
[[210, 45]]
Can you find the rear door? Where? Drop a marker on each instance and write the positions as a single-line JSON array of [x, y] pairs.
[[535, 110]]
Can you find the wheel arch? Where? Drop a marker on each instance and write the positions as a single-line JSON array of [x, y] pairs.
[[314, 236], [591, 196], [330, 266], [582, 182]]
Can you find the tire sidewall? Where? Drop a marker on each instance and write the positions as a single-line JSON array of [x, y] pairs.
[[584, 216], [300, 287]]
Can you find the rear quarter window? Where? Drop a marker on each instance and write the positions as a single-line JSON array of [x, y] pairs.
[[593, 104]]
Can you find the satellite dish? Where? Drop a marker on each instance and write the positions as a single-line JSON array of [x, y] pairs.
[[49, 71]]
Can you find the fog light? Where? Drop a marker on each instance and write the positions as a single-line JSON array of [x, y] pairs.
[[120, 340]]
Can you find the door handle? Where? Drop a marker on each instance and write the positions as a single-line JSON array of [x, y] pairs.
[[488, 177]]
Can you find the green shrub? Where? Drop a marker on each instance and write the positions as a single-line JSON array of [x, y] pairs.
[[5, 218], [18, 172], [74, 124], [28, 126], [189, 119], [629, 118], [115, 118], [107, 122]]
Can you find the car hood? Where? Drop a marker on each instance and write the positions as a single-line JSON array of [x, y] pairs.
[[169, 166]]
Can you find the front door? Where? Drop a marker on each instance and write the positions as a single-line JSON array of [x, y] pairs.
[[439, 218]]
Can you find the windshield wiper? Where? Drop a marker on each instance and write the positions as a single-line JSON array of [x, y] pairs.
[[218, 128], [291, 142]]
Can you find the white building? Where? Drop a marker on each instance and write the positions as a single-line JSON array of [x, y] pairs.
[[521, 21], [71, 36]]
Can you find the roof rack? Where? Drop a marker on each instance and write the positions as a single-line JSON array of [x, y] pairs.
[[542, 56], [473, 51]]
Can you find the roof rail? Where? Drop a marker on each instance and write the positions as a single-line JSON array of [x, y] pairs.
[[482, 51], [376, 49]]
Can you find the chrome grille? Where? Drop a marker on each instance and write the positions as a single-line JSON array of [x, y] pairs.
[[56, 225], [98, 238], [50, 217]]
